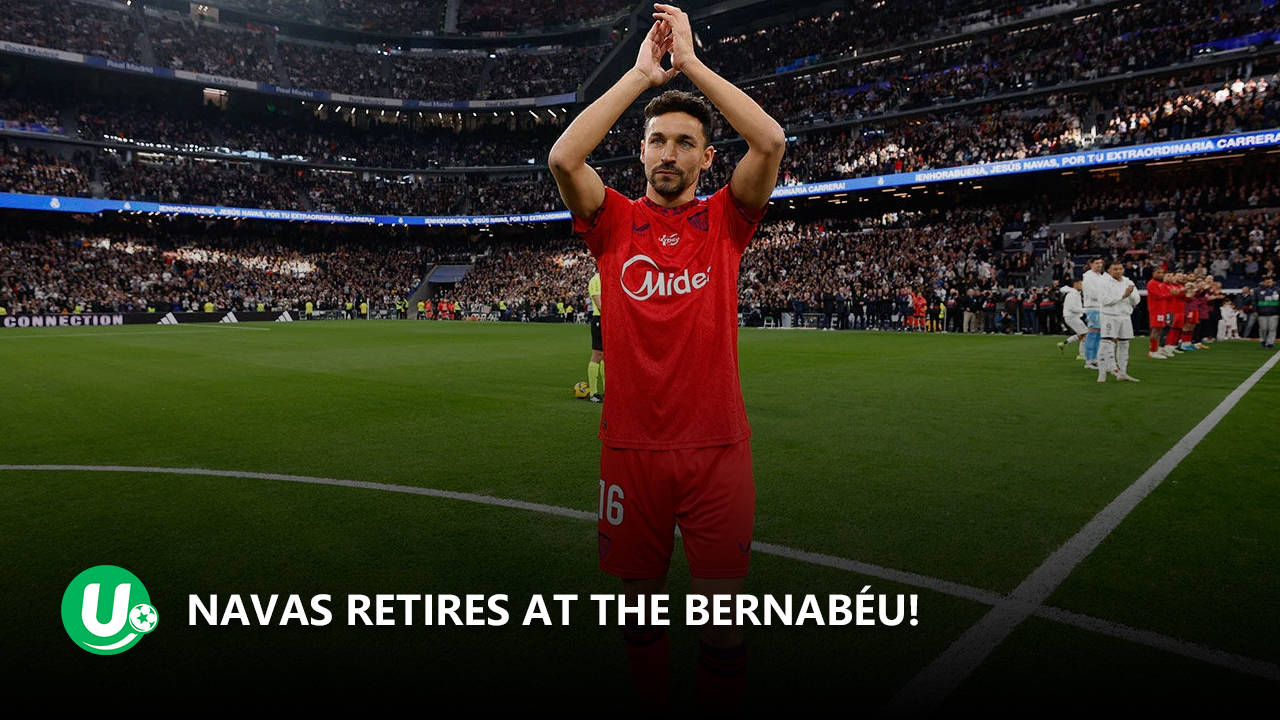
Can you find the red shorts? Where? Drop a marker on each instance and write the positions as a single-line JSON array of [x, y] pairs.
[[1193, 317], [1159, 321], [644, 494]]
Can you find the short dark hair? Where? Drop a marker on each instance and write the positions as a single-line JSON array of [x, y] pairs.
[[685, 102]]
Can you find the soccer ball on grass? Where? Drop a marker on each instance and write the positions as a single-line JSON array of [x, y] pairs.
[[581, 390]]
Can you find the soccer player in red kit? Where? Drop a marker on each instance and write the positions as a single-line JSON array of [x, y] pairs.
[[674, 430], [1157, 313]]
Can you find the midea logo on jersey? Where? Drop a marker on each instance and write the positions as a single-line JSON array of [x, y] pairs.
[[130, 616], [669, 240], [657, 282]]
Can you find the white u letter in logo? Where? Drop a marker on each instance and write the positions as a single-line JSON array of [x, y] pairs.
[[119, 610]]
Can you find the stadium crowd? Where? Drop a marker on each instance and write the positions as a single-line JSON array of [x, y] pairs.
[[89, 272], [71, 26], [872, 27], [1122, 37], [426, 77], [322, 67], [1106, 45], [1139, 112], [480, 16], [1000, 266], [520, 75], [215, 49], [402, 16], [37, 172]]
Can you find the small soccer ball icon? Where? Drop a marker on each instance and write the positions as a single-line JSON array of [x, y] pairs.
[[143, 618], [581, 390]]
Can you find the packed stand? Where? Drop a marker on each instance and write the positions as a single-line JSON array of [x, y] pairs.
[[1239, 247], [343, 193], [1144, 112], [376, 138], [148, 126], [399, 16], [1129, 36], [28, 115], [121, 273], [177, 179], [422, 77], [210, 48], [480, 16], [519, 75], [530, 278], [1103, 46], [1125, 202], [71, 26], [333, 69], [37, 172]]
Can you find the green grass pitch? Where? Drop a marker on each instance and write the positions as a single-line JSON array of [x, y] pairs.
[[967, 459]]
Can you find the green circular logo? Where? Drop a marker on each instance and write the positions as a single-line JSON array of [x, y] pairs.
[[106, 610]]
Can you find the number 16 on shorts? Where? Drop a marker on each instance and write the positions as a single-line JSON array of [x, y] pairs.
[[611, 503]]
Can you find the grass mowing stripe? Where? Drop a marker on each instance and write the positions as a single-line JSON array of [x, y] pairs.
[[926, 691], [987, 597]]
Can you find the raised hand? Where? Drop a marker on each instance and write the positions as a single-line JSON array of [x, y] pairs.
[[655, 46], [681, 32]]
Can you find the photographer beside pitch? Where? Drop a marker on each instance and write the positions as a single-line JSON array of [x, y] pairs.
[[674, 434]]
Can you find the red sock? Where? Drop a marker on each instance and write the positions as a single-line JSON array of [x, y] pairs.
[[722, 675], [1155, 344], [650, 655], [1174, 335]]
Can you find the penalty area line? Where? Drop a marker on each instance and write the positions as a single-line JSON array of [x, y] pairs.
[[931, 686], [945, 587]]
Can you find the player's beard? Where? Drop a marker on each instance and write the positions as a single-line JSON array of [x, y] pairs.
[[668, 186]]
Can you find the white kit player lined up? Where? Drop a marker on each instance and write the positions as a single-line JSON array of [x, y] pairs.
[[1117, 297], [1073, 316], [1092, 284]]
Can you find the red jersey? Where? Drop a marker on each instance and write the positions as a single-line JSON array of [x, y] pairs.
[[1157, 298], [670, 295], [1177, 303]]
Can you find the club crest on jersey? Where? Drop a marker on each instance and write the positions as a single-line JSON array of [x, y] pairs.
[[669, 240], [656, 282]]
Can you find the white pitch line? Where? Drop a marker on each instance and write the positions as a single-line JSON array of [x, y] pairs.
[[1239, 663], [931, 686], [408, 489], [945, 587]]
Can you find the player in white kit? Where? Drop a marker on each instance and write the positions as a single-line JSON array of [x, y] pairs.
[[1073, 316], [1092, 282], [1117, 297]]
